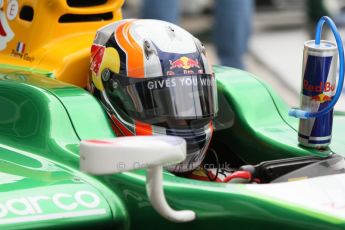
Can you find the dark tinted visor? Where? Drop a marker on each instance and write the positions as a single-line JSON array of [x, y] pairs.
[[180, 97]]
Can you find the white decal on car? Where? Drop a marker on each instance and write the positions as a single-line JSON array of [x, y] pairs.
[[65, 205]]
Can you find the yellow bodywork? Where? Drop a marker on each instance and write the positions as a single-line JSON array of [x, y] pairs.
[[53, 40]]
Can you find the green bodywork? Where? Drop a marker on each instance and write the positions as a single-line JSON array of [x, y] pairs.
[[43, 120]]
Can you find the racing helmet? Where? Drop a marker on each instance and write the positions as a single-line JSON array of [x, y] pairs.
[[153, 78]]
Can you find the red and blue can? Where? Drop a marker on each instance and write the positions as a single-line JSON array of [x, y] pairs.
[[318, 89]]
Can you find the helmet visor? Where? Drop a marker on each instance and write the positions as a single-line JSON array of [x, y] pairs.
[[181, 97]]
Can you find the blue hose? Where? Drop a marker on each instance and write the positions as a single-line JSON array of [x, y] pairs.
[[305, 114]]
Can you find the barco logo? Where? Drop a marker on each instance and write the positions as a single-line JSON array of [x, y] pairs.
[[55, 206]]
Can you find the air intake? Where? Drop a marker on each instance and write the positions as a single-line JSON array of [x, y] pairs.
[[26, 13], [85, 3], [69, 18]]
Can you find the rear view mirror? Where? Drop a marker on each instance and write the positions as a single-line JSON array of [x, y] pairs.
[[121, 154]]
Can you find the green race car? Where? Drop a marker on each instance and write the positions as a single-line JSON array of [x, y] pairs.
[[46, 113]]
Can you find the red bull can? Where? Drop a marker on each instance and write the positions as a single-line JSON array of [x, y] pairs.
[[318, 88]]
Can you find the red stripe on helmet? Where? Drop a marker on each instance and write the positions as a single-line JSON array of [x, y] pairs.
[[97, 52], [143, 129], [211, 126], [123, 129]]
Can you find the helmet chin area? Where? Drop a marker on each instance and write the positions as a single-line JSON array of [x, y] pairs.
[[197, 145], [192, 161]]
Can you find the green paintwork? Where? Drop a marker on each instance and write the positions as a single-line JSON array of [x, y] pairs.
[[39, 148], [43, 120], [262, 129]]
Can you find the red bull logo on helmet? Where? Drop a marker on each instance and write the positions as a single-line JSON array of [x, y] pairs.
[[184, 65], [184, 62]]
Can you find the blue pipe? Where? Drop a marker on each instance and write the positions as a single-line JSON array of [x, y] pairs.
[[305, 114]]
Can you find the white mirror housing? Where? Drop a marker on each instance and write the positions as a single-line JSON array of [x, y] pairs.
[[121, 154]]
